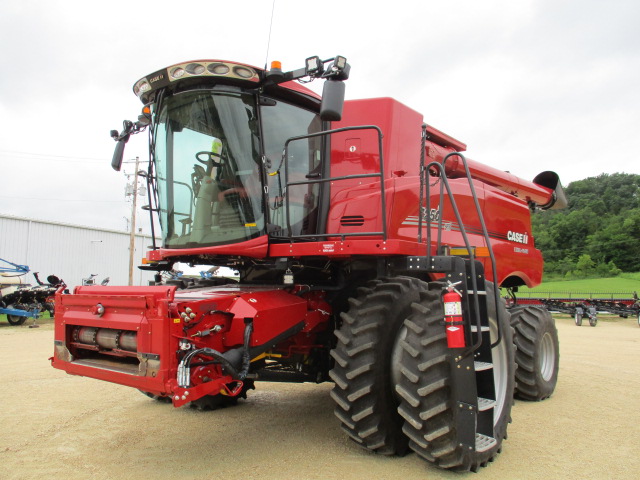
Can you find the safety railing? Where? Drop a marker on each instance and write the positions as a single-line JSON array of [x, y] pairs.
[[379, 175], [425, 190]]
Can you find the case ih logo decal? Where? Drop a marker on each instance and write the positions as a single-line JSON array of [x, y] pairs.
[[518, 237], [157, 78]]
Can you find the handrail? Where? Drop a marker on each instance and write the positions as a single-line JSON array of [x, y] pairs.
[[487, 239], [380, 175], [444, 184]]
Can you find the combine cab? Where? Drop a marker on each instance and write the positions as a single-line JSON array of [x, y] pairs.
[[370, 252]]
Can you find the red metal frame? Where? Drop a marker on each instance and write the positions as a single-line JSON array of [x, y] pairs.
[[158, 317]]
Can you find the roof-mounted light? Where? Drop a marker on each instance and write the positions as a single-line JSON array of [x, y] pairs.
[[177, 72], [218, 68], [339, 69], [188, 70], [314, 66], [141, 87], [275, 73], [195, 68], [243, 72]]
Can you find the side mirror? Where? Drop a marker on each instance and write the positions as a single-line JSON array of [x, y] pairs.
[[332, 100], [128, 127], [116, 161]]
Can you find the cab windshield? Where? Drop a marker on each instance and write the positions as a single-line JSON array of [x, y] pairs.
[[206, 156], [208, 153]]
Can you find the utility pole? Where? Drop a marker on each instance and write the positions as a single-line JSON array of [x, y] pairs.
[[132, 233]]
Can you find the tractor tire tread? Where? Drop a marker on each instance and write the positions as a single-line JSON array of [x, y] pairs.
[[531, 325], [365, 404]]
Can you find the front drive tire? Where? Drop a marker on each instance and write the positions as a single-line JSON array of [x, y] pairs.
[[537, 354], [364, 375], [428, 404]]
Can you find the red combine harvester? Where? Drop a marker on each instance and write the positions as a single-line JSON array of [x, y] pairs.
[[370, 253]]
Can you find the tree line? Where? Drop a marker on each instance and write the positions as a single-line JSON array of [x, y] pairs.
[[598, 234]]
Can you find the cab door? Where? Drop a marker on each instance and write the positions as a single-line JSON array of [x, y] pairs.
[[280, 122]]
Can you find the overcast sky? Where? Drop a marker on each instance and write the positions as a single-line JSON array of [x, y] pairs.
[[528, 85]]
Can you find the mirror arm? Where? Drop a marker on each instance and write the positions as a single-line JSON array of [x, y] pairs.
[[129, 128]]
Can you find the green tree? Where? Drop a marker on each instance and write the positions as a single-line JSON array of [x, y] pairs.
[[585, 266], [602, 220]]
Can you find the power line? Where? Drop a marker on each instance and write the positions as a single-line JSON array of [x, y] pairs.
[[49, 199], [46, 156]]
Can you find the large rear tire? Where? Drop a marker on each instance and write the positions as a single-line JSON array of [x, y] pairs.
[[364, 374], [428, 404], [537, 354]]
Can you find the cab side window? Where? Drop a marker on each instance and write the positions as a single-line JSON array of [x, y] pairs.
[[279, 123]]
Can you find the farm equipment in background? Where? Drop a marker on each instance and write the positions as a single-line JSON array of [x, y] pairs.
[[590, 307], [370, 253], [589, 311], [91, 280], [14, 296], [44, 293], [19, 300], [576, 309], [624, 310]]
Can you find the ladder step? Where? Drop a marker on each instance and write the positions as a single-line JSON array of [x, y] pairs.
[[485, 404], [474, 329], [480, 366], [484, 442], [480, 292]]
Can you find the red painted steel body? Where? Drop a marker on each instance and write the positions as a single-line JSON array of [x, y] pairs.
[[154, 315], [504, 198], [145, 333]]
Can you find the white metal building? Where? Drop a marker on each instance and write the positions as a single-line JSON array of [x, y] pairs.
[[71, 252]]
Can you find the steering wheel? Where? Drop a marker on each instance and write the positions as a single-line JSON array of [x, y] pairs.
[[208, 158]]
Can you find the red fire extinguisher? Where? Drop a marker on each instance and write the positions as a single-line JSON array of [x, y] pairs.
[[453, 318]]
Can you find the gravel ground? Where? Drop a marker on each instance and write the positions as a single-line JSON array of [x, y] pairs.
[[58, 426]]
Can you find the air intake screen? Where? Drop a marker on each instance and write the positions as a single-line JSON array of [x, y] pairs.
[[352, 221]]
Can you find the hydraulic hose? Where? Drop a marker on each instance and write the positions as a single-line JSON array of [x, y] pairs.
[[184, 369], [246, 355]]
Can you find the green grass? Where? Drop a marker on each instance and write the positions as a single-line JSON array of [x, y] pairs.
[[622, 286], [631, 276]]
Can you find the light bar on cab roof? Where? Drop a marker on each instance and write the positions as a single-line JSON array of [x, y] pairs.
[[182, 71]]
